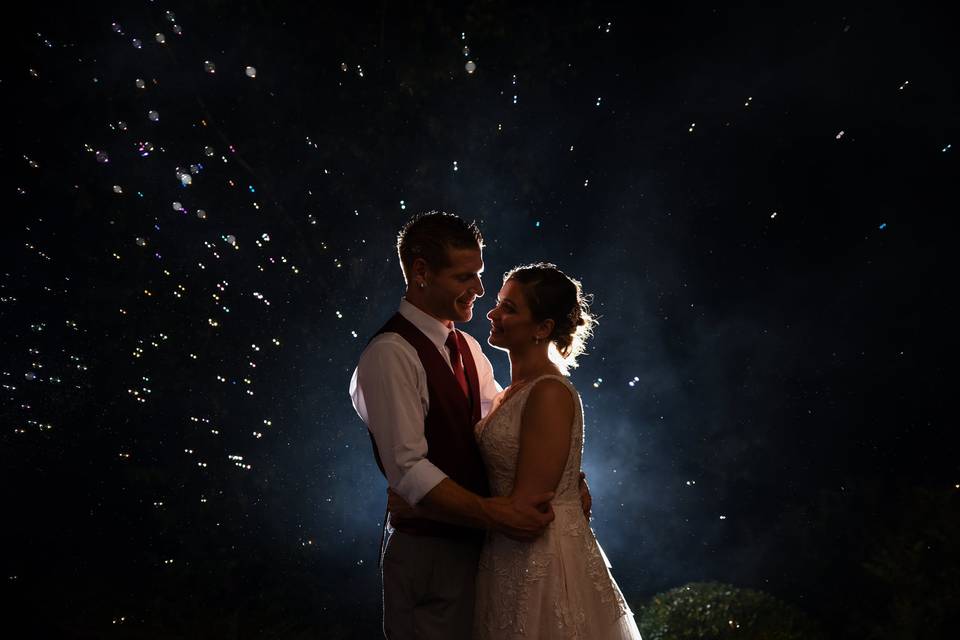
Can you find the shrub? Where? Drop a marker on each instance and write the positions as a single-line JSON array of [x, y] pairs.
[[714, 611]]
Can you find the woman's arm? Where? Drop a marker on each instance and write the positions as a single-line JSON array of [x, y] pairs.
[[544, 448], [544, 438]]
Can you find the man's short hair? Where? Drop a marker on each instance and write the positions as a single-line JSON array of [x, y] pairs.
[[430, 235]]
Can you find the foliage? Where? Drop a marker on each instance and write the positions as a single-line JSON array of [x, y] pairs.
[[715, 611], [914, 569]]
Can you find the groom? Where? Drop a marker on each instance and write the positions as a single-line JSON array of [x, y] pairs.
[[420, 386]]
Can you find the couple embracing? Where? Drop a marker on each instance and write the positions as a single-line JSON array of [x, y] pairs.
[[488, 534]]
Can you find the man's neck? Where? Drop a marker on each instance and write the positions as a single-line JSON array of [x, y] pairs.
[[420, 305]]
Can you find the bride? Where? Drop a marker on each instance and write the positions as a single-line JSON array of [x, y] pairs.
[[558, 586]]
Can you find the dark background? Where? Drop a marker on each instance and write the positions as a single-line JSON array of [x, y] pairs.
[[766, 395]]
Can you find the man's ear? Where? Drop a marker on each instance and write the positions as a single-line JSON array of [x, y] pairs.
[[418, 271]]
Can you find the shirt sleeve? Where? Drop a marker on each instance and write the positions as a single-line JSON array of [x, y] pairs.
[[386, 394], [489, 387]]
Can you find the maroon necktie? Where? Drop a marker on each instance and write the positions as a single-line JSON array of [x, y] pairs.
[[453, 344]]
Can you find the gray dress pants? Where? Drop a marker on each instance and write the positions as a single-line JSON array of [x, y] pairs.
[[428, 587]]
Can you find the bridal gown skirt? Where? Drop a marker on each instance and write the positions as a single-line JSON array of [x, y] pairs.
[[558, 587]]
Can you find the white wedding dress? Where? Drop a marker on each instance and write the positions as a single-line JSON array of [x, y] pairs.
[[558, 586]]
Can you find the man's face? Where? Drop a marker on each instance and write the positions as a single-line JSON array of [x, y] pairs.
[[451, 291]]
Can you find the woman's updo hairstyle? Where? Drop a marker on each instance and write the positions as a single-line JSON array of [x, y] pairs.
[[553, 295]]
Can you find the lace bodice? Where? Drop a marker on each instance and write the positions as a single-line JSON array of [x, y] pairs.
[[499, 438]]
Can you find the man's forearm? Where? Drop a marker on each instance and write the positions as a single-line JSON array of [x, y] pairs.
[[451, 503]]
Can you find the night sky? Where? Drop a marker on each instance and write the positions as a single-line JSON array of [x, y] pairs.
[[201, 204]]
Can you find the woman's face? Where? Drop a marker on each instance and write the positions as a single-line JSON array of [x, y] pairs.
[[511, 322]]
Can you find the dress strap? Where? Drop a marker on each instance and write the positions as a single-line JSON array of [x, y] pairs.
[[563, 379], [530, 385]]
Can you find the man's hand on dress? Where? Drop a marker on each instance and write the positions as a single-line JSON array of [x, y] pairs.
[[398, 508], [586, 500], [521, 518]]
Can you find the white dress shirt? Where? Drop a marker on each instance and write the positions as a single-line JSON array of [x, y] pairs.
[[389, 391]]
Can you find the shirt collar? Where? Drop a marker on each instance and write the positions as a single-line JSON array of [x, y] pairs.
[[435, 330]]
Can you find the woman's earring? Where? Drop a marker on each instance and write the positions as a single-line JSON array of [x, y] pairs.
[[423, 284], [536, 340]]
